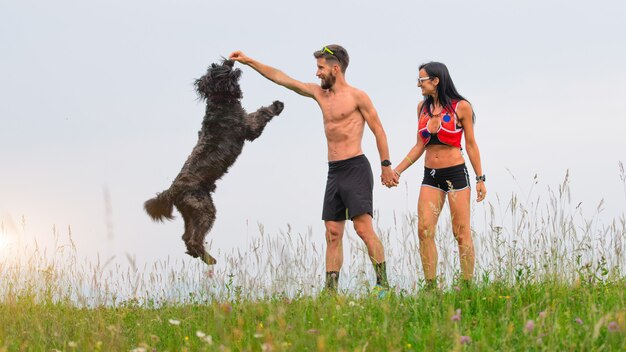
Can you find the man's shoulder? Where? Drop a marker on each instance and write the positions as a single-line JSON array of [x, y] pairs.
[[316, 89], [358, 94]]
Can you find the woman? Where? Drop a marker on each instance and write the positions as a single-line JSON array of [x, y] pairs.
[[444, 116]]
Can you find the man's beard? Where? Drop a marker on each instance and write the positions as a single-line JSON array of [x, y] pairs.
[[329, 82]]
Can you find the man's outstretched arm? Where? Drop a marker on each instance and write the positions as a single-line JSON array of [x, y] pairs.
[[275, 75]]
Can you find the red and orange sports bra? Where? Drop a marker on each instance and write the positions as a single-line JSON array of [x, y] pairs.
[[449, 131]]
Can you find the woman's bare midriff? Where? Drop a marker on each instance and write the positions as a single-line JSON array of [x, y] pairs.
[[440, 156]]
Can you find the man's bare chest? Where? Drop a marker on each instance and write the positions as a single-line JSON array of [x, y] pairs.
[[335, 111]]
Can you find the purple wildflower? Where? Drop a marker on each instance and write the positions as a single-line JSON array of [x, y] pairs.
[[542, 314], [457, 316], [465, 340], [530, 326]]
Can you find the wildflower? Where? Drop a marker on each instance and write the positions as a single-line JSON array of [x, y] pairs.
[[457, 288], [530, 326], [351, 303], [613, 327], [204, 337], [457, 316], [542, 314], [408, 345], [267, 347], [257, 335], [210, 273], [72, 344], [174, 322], [578, 321], [465, 340]]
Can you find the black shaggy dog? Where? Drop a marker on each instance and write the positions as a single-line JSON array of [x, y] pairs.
[[225, 128]]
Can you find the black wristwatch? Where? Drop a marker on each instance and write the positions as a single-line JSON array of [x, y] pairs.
[[385, 163], [480, 178]]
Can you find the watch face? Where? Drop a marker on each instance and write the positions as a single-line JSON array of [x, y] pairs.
[[386, 163]]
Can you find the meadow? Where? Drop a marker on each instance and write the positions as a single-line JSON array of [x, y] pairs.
[[547, 279]]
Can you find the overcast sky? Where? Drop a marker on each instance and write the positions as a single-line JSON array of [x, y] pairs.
[[98, 111]]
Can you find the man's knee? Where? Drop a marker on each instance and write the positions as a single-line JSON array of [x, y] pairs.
[[363, 226], [334, 233]]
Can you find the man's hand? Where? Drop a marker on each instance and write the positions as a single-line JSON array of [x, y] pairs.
[[481, 191], [239, 57], [389, 178]]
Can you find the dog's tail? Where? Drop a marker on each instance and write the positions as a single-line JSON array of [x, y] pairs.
[[160, 207]]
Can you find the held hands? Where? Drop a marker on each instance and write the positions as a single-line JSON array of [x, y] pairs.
[[481, 191], [389, 177]]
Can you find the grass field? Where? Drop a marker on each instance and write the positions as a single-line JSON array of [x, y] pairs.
[[492, 316], [547, 279]]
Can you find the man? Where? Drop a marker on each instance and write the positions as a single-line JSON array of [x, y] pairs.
[[345, 110]]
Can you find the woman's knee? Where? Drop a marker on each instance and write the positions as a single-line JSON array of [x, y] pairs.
[[426, 231], [462, 233]]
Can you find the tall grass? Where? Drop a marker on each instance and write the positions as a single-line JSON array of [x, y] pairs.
[[522, 239], [546, 278]]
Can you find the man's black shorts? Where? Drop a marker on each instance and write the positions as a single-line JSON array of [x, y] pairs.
[[348, 189]]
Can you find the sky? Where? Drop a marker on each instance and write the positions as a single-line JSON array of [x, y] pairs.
[[98, 111]]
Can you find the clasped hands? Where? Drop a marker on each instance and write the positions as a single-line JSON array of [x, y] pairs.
[[389, 177]]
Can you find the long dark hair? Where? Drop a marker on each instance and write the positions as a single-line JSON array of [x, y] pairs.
[[446, 91]]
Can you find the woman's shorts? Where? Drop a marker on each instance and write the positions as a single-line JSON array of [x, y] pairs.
[[447, 179]]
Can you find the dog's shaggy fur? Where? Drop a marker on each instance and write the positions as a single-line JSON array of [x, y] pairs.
[[225, 128]]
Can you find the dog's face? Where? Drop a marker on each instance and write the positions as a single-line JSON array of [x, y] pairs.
[[220, 82]]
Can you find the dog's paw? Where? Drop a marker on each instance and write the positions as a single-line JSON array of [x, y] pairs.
[[208, 259], [278, 106]]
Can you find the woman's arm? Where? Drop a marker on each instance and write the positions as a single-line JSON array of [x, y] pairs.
[[415, 152], [464, 111]]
